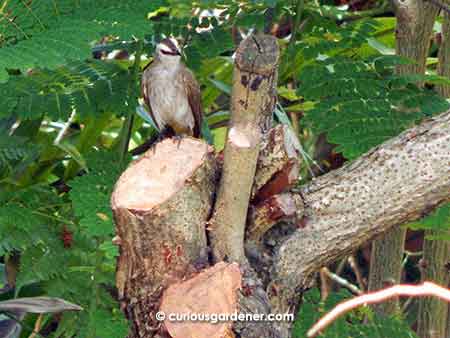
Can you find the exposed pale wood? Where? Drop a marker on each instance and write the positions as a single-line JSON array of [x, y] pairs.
[[394, 183], [278, 164], [252, 104], [271, 211], [160, 205], [253, 100], [212, 292]]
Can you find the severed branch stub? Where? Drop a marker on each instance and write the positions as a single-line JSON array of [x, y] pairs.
[[278, 166], [160, 205], [252, 104]]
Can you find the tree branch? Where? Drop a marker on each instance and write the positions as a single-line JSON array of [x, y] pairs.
[[396, 182], [253, 100]]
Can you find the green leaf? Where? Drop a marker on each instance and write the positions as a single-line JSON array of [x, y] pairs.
[[73, 152], [221, 86], [357, 107], [380, 47], [91, 193], [68, 33], [439, 221], [86, 87]]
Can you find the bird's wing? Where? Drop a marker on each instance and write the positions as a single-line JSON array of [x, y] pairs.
[[194, 97], [145, 91]]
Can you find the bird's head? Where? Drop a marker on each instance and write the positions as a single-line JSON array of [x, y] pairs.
[[168, 51]]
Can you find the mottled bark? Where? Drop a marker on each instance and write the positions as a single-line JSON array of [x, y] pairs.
[[396, 182], [252, 103], [161, 204]]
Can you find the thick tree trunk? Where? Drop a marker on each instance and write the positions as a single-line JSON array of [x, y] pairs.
[[161, 204], [432, 311], [396, 182], [386, 266], [431, 322], [444, 54], [415, 20]]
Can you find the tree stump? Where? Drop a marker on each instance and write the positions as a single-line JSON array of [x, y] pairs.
[[161, 204]]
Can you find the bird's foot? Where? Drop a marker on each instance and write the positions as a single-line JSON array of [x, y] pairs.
[[177, 139]]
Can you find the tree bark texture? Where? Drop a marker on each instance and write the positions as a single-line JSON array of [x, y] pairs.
[[161, 204], [415, 19], [394, 183], [252, 103], [444, 55], [386, 267], [431, 322], [433, 312]]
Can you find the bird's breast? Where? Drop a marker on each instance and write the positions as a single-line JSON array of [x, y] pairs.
[[170, 104]]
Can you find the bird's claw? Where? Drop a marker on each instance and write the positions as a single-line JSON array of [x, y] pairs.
[[177, 139]]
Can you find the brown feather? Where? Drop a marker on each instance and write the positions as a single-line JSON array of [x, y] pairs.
[[194, 98], [145, 89]]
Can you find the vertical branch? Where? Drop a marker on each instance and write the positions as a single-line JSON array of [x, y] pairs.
[[433, 313], [431, 322], [444, 55], [252, 104], [415, 20], [125, 132], [386, 266]]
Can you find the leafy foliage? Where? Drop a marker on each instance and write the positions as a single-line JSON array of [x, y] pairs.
[[358, 107], [86, 87], [58, 32], [438, 221]]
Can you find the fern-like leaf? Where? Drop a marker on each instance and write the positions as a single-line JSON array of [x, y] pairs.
[[86, 87], [68, 34]]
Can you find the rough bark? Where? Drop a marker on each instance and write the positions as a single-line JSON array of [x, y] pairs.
[[160, 205], [386, 267], [252, 103], [433, 312], [396, 182], [415, 19], [431, 321]]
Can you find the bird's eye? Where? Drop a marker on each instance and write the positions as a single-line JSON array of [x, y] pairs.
[[170, 53]]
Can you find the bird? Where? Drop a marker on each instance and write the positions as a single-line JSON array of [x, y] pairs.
[[171, 92]]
